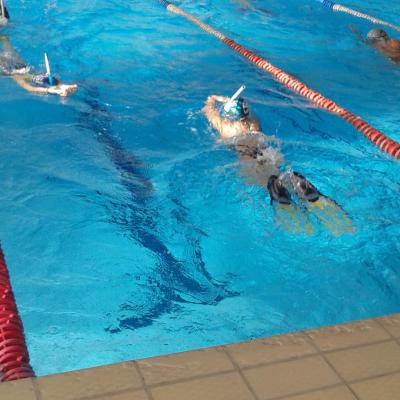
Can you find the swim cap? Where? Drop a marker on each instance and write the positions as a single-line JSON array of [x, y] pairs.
[[238, 110], [376, 35]]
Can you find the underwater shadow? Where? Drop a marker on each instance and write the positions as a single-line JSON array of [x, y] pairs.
[[174, 281]]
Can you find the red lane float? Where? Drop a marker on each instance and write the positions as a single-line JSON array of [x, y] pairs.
[[384, 142], [14, 357]]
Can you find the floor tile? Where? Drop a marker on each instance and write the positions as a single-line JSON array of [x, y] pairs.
[[291, 377], [89, 382], [228, 386], [273, 349], [348, 335], [384, 388], [294, 370], [392, 324], [367, 361], [15, 390], [138, 395], [336, 393], [184, 365]]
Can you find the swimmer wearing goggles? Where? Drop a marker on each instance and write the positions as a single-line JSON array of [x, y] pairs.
[[289, 191], [380, 40]]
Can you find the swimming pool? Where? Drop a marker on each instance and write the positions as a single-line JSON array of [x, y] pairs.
[[129, 230]]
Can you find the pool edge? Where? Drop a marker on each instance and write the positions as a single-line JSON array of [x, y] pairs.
[[352, 361]]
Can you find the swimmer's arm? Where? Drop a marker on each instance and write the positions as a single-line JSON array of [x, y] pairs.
[[393, 44], [255, 125], [220, 99], [357, 33], [211, 111], [22, 81], [61, 90]]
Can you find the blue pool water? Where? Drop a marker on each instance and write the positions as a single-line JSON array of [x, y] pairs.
[[130, 231]]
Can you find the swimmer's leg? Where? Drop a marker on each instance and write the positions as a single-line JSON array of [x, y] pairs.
[[329, 213], [287, 214]]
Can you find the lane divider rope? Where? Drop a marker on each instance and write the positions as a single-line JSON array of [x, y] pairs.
[[339, 8], [384, 142], [14, 357]]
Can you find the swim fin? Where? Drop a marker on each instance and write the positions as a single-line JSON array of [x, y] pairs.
[[331, 215], [288, 215], [328, 212], [277, 191], [304, 189]]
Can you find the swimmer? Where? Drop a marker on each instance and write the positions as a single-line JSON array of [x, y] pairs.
[[379, 39], [13, 66], [231, 121], [246, 5], [242, 132]]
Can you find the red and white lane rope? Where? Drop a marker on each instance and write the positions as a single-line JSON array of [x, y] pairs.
[[14, 357], [384, 142]]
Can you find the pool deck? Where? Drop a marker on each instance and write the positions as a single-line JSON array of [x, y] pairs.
[[354, 361]]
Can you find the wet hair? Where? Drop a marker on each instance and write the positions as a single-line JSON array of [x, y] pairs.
[[376, 35]]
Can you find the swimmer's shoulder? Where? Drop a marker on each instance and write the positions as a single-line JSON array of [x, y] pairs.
[[254, 125], [393, 44], [232, 129]]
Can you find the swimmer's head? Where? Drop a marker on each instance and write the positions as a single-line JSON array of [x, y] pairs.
[[51, 81], [377, 35], [43, 79], [238, 110]]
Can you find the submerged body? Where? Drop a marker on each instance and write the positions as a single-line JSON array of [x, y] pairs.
[[246, 5]]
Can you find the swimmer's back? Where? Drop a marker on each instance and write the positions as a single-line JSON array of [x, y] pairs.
[[231, 129]]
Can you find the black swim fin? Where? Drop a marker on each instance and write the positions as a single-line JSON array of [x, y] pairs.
[[277, 191], [304, 189]]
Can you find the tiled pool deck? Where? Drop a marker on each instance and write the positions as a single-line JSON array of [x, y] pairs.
[[356, 361]]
